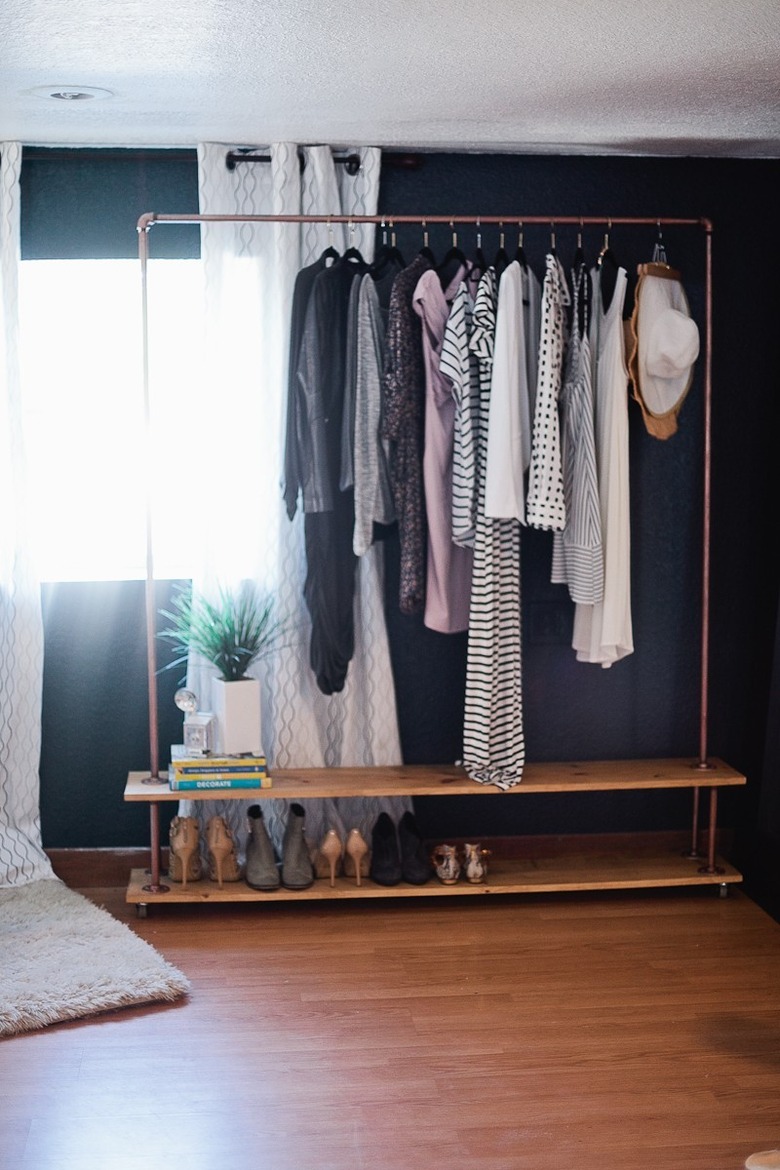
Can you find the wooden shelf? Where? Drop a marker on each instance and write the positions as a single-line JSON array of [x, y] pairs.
[[583, 871], [431, 780], [629, 866]]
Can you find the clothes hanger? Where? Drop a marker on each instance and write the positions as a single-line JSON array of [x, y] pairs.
[[479, 265], [353, 255], [425, 251], [454, 259], [330, 252], [608, 267], [501, 259], [387, 256], [520, 255], [553, 252], [579, 253]]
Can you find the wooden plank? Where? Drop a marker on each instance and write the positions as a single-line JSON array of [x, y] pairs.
[[584, 871], [450, 780]]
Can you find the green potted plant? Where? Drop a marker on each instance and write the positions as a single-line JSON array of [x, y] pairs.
[[231, 632]]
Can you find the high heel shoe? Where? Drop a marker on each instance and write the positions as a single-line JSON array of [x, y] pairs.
[[327, 859], [223, 862], [184, 858], [356, 856]]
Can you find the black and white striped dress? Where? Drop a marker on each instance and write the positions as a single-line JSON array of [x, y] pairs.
[[493, 740]]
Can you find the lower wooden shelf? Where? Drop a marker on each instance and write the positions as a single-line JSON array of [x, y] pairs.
[[584, 871]]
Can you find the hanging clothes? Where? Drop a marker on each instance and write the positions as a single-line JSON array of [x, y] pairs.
[[403, 405], [493, 737], [459, 364], [578, 556], [603, 632], [545, 506], [373, 493], [296, 470], [448, 575], [513, 392], [329, 511]]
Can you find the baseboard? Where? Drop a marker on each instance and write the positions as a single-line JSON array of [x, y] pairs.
[[82, 868]]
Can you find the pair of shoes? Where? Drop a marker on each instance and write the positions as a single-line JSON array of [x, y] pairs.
[[184, 857], [333, 857], [448, 865], [184, 860], [400, 856], [262, 870]]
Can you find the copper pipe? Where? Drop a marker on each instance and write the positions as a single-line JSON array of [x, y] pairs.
[[155, 886], [151, 217], [706, 508], [711, 867], [151, 653]]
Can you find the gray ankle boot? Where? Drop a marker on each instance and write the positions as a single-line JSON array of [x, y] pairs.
[[261, 871], [297, 869]]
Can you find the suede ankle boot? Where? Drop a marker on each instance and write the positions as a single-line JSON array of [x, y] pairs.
[[416, 866], [297, 869], [385, 856], [261, 872]]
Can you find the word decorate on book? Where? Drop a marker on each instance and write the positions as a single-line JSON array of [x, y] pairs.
[[218, 772]]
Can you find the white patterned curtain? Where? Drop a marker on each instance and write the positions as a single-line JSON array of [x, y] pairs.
[[250, 272], [22, 858]]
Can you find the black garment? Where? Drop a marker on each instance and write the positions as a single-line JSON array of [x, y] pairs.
[[329, 512]]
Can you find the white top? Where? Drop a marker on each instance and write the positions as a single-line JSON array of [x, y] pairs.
[[512, 393], [545, 506], [603, 632]]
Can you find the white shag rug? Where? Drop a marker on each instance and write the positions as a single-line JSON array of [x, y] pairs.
[[62, 958]]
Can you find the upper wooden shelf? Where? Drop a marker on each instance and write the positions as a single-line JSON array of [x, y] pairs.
[[449, 780]]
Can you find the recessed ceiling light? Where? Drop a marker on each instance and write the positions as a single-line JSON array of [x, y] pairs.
[[70, 93]]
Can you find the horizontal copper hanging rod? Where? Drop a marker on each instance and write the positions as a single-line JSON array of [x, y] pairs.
[[150, 218]]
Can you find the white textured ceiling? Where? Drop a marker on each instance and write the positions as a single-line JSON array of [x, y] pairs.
[[594, 76]]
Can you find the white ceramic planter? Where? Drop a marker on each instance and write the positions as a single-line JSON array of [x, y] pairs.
[[236, 706]]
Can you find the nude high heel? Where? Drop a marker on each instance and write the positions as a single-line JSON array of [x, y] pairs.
[[327, 862], [223, 863], [184, 858], [356, 858]]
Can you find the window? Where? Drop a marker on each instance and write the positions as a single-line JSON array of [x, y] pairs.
[[82, 376]]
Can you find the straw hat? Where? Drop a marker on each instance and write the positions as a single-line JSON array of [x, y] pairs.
[[663, 344]]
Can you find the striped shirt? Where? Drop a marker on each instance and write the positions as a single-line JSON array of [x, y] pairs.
[[578, 556], [459, 365]]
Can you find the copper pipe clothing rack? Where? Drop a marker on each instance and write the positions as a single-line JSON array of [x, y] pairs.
[[148, 220]]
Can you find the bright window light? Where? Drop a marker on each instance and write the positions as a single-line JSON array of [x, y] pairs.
[[81, 365]]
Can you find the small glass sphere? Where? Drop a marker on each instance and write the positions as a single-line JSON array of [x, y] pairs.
[[186, 700]]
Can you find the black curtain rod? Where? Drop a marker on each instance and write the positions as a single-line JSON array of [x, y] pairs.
[[408, 162]]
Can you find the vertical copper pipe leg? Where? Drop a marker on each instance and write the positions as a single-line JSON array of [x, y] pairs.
[[711, 867], [155, 887], [694, 852]]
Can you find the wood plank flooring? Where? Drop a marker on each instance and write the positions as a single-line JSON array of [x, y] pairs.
[[612, 1031]]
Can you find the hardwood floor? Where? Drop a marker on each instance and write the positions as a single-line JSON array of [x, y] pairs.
[[596, 1032]]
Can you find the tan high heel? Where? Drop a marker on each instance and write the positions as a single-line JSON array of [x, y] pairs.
[[223, 862], [356, 859], [327, 859], [184, 858]]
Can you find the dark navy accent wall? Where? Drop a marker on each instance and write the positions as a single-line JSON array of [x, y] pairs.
[[646, 705]]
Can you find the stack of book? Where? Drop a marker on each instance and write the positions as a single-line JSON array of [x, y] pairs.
[[218, 772]]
